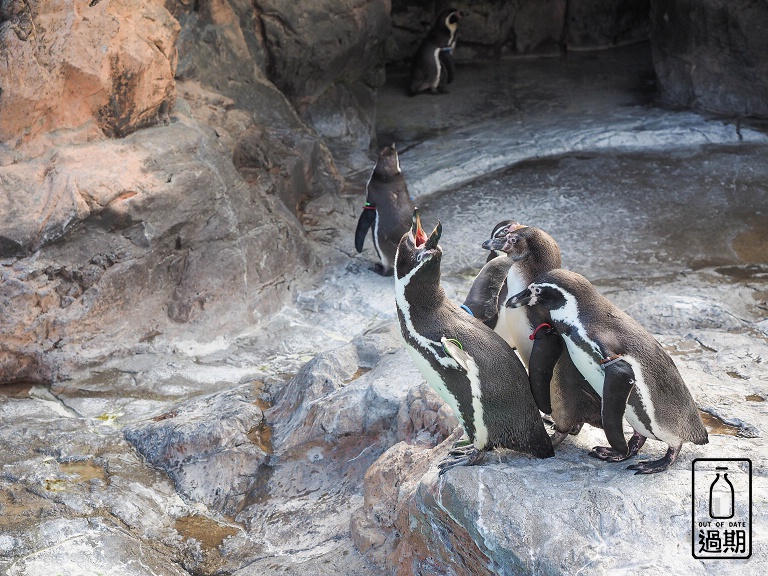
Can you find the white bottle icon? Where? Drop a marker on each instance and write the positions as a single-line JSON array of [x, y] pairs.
[[721, 496]]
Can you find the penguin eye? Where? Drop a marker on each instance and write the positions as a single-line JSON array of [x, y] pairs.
[[513, 239], [536, 290]]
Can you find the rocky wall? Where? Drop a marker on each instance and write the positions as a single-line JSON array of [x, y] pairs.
[[710, 54], [497, 28]]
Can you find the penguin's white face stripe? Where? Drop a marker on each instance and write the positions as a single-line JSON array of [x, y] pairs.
[[426, 344], [569, 314]]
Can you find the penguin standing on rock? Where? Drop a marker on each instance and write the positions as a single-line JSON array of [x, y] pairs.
[[625, 365], [432, 65], [464, 361], [528, 252], [388, 208]]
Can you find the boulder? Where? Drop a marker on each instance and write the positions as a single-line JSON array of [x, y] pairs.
[[163, 239], [210, 447], [75, 70], [710, 55]]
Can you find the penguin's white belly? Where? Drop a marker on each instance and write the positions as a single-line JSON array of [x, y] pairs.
[[595, 375], [434, 379], [513, 326], [584, 362], [437, 383]]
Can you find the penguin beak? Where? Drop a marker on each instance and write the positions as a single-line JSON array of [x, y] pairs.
[[419, 236], [495, 244], [520, 299], [434, 238]]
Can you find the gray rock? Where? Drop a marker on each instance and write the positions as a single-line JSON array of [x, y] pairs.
[[210, 447], [710, 55], [322, 54]]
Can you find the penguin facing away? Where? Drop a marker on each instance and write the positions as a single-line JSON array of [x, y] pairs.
[[472, 369], [388, 209], [527, 252], [432, 65], [625, 365]]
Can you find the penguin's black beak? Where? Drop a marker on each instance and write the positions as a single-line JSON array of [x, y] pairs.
[[495, 243], [520, 299], [434, 238]]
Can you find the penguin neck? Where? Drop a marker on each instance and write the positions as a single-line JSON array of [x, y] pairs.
[[424, 289]]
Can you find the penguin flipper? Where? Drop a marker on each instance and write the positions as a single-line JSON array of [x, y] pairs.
[[366, 220], [619, 381], [454, 350], [483, 296], [546, 351]]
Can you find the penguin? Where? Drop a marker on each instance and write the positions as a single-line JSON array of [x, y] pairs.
[[624, 364], [388, 208], [432, 65], [464, 361], [527, 253]]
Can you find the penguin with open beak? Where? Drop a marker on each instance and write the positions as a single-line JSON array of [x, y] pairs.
[[469, 366]]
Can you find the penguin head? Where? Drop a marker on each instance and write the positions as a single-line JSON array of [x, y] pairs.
[[417, 250], [522, 242], [387, 164], [498, 240], [552, 290], [549, 296], [449, 18]]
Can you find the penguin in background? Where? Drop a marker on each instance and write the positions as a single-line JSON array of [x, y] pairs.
[[526, 252], [623, 363], [470, 367], [432, 66], [388, 210]]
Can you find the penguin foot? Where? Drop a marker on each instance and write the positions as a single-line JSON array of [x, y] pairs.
[[466, 456], [381, 270], [460, 444], [609, 454], [653, 466], [557, 437]]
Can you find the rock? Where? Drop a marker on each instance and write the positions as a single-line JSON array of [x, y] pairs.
[[72, 73], [325, 54], [495, 28], [128, 253], [678, 313], [210, 448], [515, 514], [90, 547], [606, 23], [710, 55]]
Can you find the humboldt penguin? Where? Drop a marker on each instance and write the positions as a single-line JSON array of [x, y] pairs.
[[466, 363], [623, 363], [432, 65], [527, 252], [388, 208]]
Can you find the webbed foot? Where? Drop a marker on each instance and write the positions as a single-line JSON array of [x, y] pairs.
[[464, 456], [609, 454], [654, 466]]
